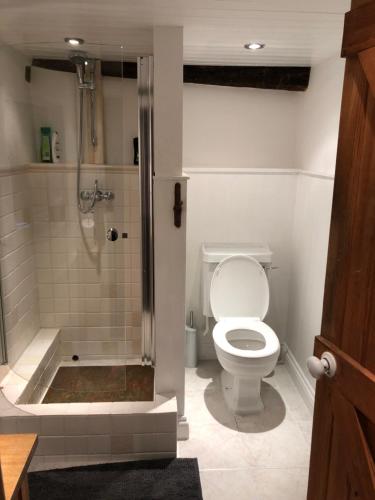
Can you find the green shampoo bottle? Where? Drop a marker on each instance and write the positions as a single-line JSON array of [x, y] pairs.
[[46, 145]]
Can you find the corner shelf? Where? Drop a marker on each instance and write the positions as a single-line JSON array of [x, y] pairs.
[[71, 167]]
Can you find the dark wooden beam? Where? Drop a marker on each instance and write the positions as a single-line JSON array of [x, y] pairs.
[[109, 68], [261, 77]]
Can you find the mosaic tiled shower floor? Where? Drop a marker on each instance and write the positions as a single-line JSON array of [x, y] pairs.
[[89, 384]]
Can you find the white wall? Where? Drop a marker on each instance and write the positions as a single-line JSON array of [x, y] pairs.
[[227, 134], [168, 104], [317, 134], [318, 118], [170, 241], [55, 104], [120, 119], [16, 139], [239, 130], [309, 245], [246, 207], [238, 127], [17, 265]]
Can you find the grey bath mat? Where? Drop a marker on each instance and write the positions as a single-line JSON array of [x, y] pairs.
[[176, 479]]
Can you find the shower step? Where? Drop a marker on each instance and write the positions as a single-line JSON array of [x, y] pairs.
[[97, 431]]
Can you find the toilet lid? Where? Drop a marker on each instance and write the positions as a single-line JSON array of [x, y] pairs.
[[239, 288]]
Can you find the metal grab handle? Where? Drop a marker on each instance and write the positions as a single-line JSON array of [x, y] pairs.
[[326, 365]]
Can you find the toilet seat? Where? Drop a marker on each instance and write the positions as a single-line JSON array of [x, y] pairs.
[[239, 298], [246, 347], [226, 325]]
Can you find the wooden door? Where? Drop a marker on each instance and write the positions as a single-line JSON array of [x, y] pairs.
[[343, 442]]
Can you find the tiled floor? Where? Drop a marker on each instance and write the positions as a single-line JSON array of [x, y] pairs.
[[258, 457]]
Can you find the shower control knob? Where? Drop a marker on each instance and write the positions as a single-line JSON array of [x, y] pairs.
[[112, 234], [326, 365]]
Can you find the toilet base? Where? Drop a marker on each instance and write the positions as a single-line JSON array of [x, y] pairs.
[[242, 395]]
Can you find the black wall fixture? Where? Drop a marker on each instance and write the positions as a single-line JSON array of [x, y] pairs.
[[178, 203], [28, 74], [262, 77]]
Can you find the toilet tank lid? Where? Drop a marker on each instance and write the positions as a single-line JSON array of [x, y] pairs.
[[216, 252]]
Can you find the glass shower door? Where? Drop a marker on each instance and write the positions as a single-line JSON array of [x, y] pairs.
[[92, 267]]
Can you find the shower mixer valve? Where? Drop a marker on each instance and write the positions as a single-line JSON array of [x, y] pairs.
[[88, 194], [96, 194]]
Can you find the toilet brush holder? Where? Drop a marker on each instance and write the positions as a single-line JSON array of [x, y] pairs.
[[191, 360]]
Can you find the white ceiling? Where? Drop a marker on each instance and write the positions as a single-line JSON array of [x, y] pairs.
[[296, 32]]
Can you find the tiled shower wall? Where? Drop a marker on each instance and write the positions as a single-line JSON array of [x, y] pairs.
[[18, 278], [88, 286], [17, 262]]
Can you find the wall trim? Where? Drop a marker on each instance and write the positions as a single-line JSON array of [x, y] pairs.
[[243, 171], [303, 385], [13, 170], [319, 175], [70, 167], [171, 178], [86, 167], [255, 171]]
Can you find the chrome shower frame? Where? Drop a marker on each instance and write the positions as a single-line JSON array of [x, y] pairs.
[[146, 173], [3, 345]]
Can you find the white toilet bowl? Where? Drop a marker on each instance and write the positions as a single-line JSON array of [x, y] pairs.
[[246, 347]]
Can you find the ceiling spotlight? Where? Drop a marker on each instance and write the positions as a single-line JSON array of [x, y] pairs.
[[74, 41], [254, 45]]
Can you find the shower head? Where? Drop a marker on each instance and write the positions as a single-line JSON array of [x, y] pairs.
[[78, 58], [85, 67]]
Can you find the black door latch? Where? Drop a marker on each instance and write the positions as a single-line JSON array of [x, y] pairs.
[[177, 209]]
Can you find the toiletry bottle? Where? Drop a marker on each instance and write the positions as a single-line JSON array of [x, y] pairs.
[[45, 145], [55, 147]]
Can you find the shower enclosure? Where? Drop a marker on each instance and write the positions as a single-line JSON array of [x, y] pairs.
[[76, 257], [86, 232]]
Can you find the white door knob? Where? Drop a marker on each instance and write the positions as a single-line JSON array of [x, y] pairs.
[[326, 365]]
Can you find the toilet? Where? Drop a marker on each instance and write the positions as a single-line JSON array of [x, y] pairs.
[[246, 347]]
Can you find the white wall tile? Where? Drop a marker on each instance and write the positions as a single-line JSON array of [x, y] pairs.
[[48, 445], [28, 425], [75, 425], [94, 284], [52, 425], [122, 444], [99, 444], [76, 445], [98, 424], [8, 425]]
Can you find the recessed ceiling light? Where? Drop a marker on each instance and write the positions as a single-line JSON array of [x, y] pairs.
[[254, 45], [74, 41]]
